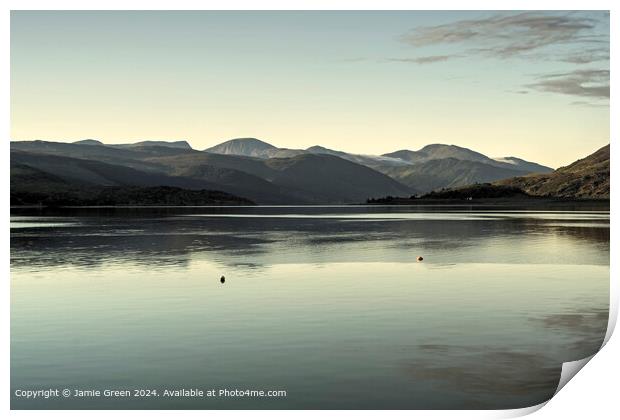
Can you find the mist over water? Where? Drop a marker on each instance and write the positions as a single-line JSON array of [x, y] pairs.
[[327, 303]]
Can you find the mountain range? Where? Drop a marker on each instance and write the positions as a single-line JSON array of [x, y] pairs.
[[256, 170], [434, 166], [586, 178]]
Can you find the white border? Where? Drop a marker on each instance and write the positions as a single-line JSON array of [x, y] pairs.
[[592, 394]]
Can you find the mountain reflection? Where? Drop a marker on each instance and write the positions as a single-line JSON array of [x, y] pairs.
[[167, 237], [306, 295]]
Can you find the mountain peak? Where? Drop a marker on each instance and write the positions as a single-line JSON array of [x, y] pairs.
[[318, 149], [439, 151], [442, 151], [177, 144], [325, 151], [437, 146], [89, 142], [247, 146]]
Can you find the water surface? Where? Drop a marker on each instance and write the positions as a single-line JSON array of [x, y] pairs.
[[327, 303]]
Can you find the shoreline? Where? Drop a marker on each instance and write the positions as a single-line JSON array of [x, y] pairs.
[[556, 202], [488, 201]]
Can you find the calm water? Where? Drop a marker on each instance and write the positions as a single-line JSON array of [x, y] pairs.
[[327, 303]]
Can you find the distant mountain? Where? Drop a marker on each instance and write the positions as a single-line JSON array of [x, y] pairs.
[[252, 147], [445, 151], [333, 178], [133, 157], [523, 165], [101, 173], [93, 172], [302, 179], [90, 142], [585, 178], [180, 144], [447, 166], [461, 166], [243, 147], [439, 151], [448, 173], [267, 174], [305, 178], [367, 160]]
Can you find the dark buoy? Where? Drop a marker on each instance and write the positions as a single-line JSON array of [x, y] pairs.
[[222, 279], [419, 258]]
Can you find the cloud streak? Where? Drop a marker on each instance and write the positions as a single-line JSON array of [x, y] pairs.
[[587, 56], [591, 83], [424, 59], [505, 36], [569, 38]]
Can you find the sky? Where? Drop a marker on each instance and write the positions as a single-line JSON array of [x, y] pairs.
[[534, 85]]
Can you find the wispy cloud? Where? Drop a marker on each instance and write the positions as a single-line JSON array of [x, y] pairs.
[[563, 37], [589, 104], [587, 56], [424, 59], [592, 83], [505, 36]]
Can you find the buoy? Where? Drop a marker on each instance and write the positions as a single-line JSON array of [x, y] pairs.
[[419, 258], [222, 279]]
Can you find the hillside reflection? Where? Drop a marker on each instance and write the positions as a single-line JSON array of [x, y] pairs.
[[167, 237]]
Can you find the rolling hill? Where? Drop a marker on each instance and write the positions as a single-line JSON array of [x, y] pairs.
[[448, 173], [305, 178], [586, 178], [439, 151], [347, 181], [101, 173], [302, 179], [445, 151], [130, 157], [31, 186], [266, 174], [432, 167]]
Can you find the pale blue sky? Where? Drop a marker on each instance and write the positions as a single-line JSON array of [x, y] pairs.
[[532, 85]]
